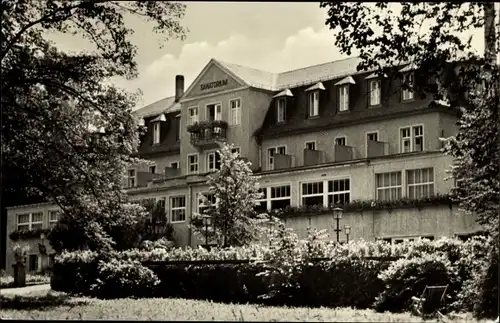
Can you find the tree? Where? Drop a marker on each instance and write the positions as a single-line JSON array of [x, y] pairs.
[[448, 70], [233, 220], [66, 132]]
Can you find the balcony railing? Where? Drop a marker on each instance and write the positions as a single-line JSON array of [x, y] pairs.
[[343, 153], [207, 133]]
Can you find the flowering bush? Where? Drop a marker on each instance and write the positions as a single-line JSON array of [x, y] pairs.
[[123, 278], [20, 252], [157, 244]]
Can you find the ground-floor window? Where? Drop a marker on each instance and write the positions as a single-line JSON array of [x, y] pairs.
[[280, 197], [33, 263], [331, 192], [312, 193], [389, 186], [178, 208], [420, 183]]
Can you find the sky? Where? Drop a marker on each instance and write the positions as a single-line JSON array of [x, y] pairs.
[[272, 36]]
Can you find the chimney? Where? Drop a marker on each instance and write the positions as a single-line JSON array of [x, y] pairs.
[[179, 87]]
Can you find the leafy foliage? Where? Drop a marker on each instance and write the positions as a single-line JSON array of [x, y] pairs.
[[27, 234], [66, 133], [447, 69], [233, 220]]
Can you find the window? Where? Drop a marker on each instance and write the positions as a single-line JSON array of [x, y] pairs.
[[412, 139], [312, 193], [313, 104], [235, 150], [420, 183], [388, 186], [372, 136], [33, 263], [161, 202], [214, 112], [235, 111], [418, 138], [193, 164], [193, 115], [262, 202], [339, 191], [30, 221], [281, 150], [341, 141], [374, 92], [408, 93], [152, 169], [311, 145], [211, 200], [344, 98], [131, 178], [280, 197], [174, 165], [178, 208], [53, 218], [213, 161], [156, 133], [280, 110]]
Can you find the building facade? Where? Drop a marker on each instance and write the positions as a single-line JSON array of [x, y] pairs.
[[320, 135]]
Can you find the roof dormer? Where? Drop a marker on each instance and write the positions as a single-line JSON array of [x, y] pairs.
[[343, 91]]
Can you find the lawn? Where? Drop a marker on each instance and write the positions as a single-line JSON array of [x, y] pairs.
[[57, 306]]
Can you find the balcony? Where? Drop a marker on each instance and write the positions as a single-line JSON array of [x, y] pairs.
[[376, 148], [343, 153], [313, 157], [283, 161], [207, 134]]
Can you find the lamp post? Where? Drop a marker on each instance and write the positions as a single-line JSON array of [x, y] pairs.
[[206, 218], [347, 230], [337, 215], [271, 223]]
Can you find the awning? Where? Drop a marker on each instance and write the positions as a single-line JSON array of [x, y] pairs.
[[317, 86], [161, 117], [408, 68], [374, 75], [347, 80], [286, 92]]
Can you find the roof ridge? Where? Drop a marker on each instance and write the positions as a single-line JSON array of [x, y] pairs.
[[330, 62]]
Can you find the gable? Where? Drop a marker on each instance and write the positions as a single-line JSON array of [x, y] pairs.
[[211, 80]]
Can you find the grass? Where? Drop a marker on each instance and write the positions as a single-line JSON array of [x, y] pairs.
[[59, 306], [8, 281]]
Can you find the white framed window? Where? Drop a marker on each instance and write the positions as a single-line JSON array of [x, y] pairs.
[[341, 141], [374, 92], [408, 93], [412, 139], [152, 169], [131, 178], [312, 193], [280, 197], [53, 217], [174, 165], [420, 183], [372, 136], [156, 133], [193, 164], [213, 161], [344, 98], [236, 150], [339, 191], [310, 145], [280, 150], [313, 110], [389, 186], [418, 138], [235, 111], [211, 200], [214, 112], [193, 115], [30, 221], [280, 110], [261, 204], [178, 208]]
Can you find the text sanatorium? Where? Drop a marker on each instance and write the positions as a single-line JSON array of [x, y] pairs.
[[212, 85]]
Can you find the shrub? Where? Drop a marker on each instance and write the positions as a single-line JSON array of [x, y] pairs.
[[487, 281], [405, 278], [123, 278]]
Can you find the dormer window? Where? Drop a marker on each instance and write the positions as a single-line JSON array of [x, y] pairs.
[[280, 110], [344, 92], [156, 133], [313, 104], [408, 80], [374, 92]]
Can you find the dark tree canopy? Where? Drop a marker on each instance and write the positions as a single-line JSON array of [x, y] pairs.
[[427, 35], [67, 133]]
